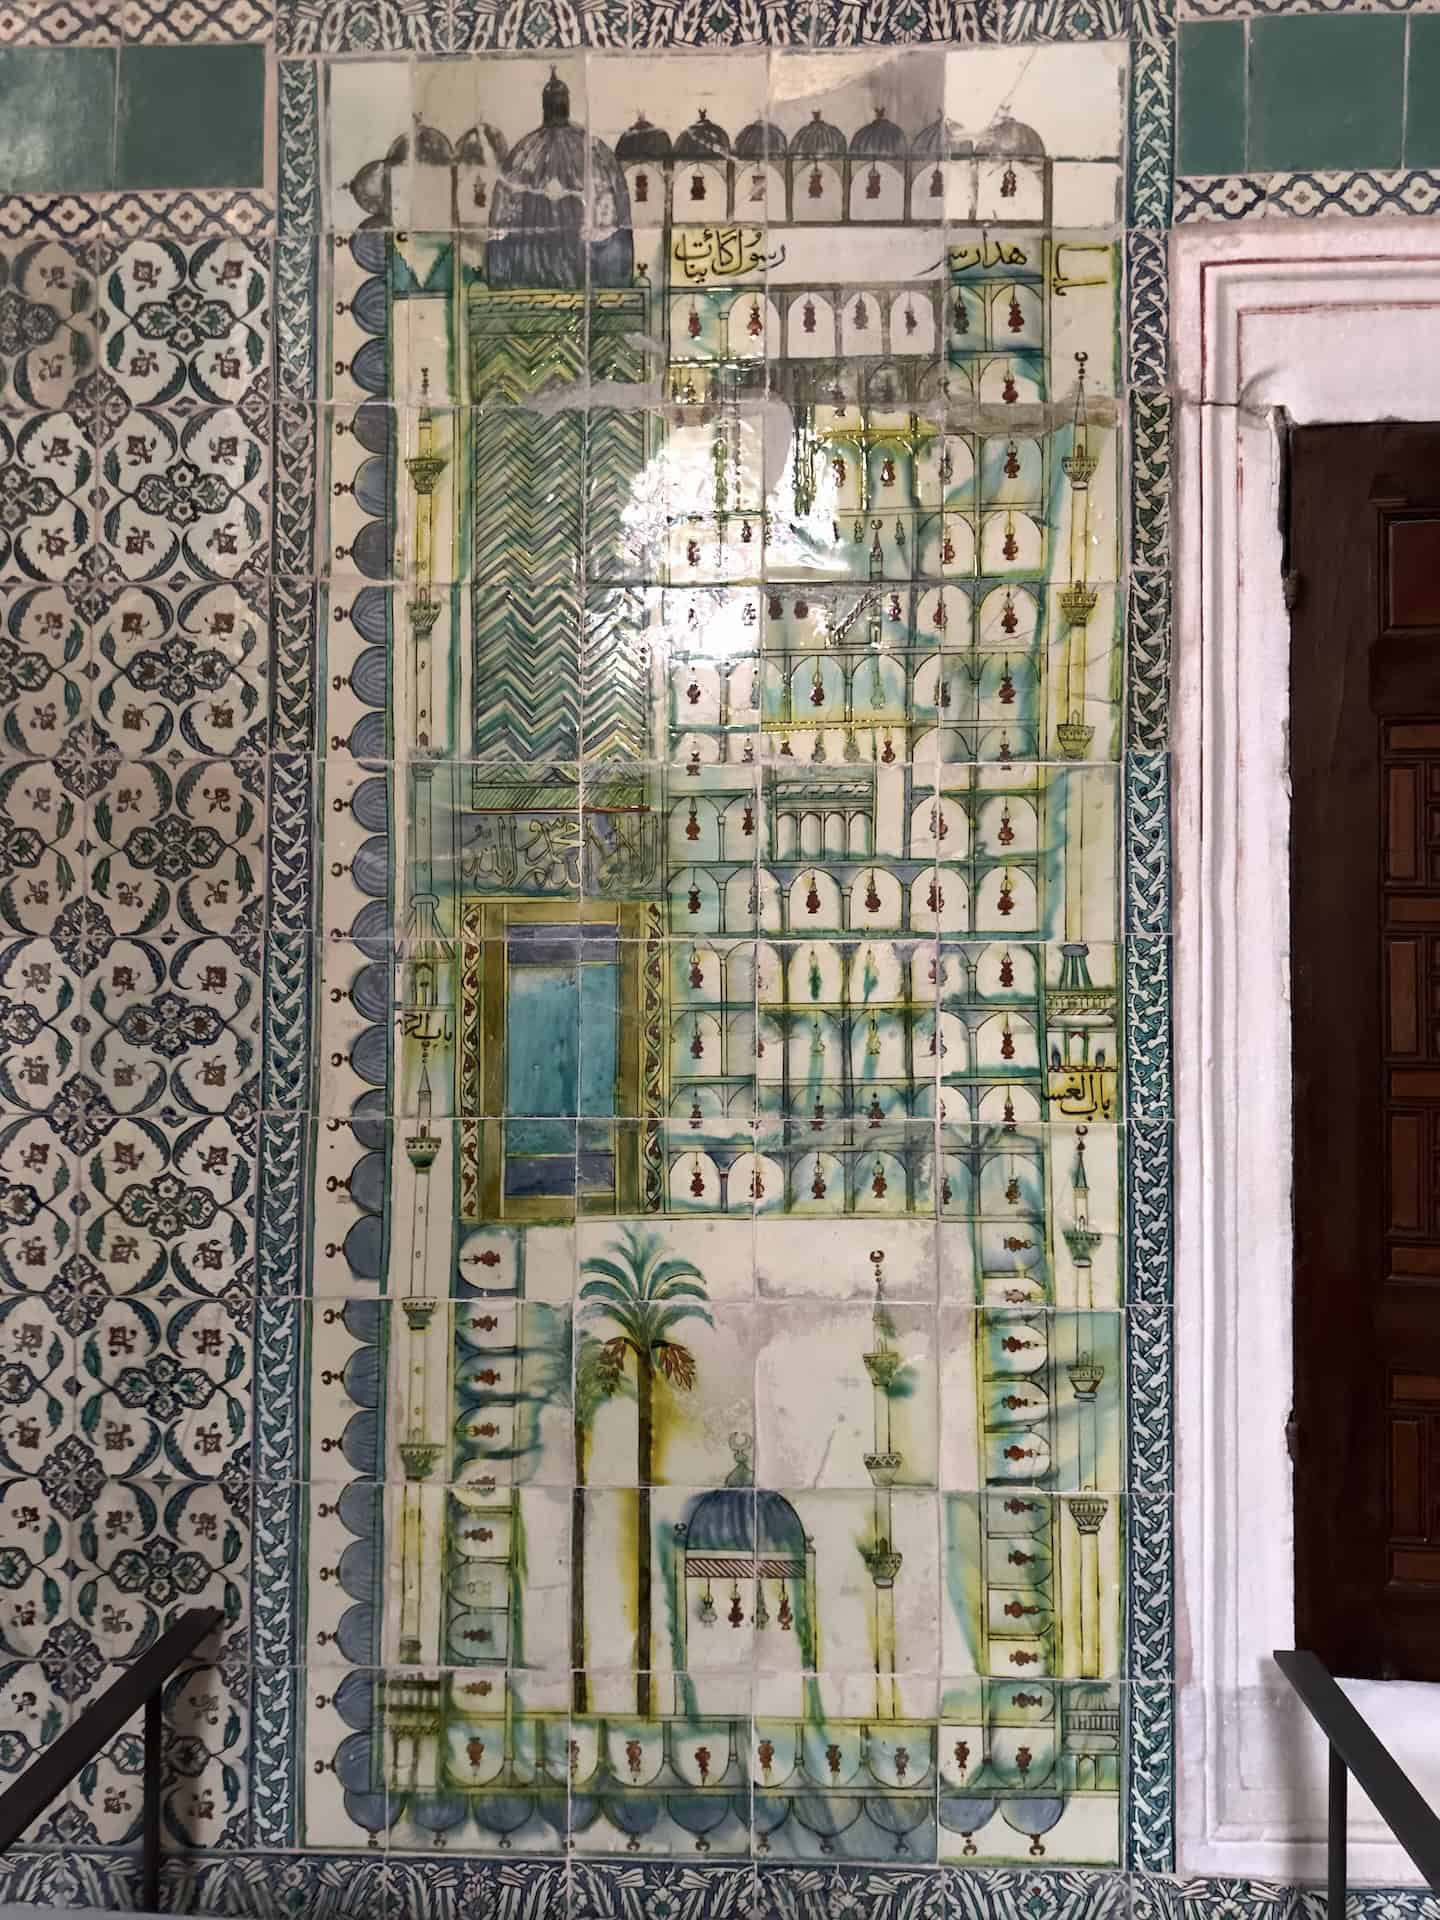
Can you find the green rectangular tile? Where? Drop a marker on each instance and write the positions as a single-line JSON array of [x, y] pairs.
[[192, 117], [1211, 136], [1326, 91], [1422, 92], [57, 119]]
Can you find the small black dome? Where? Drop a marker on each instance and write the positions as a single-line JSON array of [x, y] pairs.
[[480, 146], [818, 140], [703, 139], [943, 140], [642, 142], [759, 141], [1008, 136], [879, 139]]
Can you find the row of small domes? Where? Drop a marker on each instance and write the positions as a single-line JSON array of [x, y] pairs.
[[880, 139]]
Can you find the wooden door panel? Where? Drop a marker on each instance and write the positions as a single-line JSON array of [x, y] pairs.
[[1365, 896]]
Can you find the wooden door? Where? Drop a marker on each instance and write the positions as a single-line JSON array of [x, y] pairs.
[[1365, 893]]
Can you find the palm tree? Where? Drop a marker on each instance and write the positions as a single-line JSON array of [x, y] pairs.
[[645, 1296], [596, 1381]]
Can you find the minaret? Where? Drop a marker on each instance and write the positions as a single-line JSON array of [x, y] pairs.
[[426, 1032], [1077, 601], [882, 1364], [425, 467], [1087, 1508]]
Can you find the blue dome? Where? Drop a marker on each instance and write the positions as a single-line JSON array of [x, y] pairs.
[[759, 141], [943, 140], [642, 142], [818, 140], [729, 1520], [879, 139], [537, 214], [703, 140]]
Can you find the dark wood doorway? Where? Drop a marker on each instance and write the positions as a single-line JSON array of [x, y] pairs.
[[1365, 930]]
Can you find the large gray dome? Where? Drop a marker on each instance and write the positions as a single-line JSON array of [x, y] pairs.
[[537, 215]]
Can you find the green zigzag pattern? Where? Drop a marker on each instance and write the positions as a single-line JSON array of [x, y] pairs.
[[614, 675], [526, 598]]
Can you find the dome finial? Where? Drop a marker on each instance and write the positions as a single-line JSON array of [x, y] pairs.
[[555, 101]]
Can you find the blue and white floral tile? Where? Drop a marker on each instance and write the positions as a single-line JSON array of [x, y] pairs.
[[638, 1890], [48, 341], [38, 1698], [863, 1892], [47, 676], [861, 23], [39, 1421]]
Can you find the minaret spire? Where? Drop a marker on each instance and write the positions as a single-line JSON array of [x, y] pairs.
[[1077, 601], [883, 1363]]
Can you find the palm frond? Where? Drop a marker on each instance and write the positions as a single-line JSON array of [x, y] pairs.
[[607, 1269], [676, 1362], [669, 1317]]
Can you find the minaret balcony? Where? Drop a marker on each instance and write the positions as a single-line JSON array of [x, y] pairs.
[[1087, 1511], [883, 1467], [1082, 1242], [1086, 1374], [1074, 738], [418, 1458], [423, 612], [1077, 603], [884, 1564]]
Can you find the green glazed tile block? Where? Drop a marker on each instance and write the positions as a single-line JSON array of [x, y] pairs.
[[192, 117], [57, 119], [1211, 135], [1326, 91], [1422, 92]]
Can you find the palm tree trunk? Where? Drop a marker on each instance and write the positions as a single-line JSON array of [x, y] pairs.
[[579, 1686], [645, 1398]]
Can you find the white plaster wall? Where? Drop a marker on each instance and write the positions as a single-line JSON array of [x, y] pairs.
[[1333, 322]]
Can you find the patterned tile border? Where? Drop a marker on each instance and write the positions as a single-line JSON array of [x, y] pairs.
[[106, 23], [196, 22], [473, 26], [169, 215], [346, 1886], [1304, 196], [59, 23], [1250, 9]]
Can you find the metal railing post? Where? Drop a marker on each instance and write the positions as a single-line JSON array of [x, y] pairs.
[[1339, 1784], [150, 1842], [138, 1689], [1354, 1747]]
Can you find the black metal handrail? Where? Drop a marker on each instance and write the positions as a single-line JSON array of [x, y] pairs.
[[57, 1765], [1356, 1748]]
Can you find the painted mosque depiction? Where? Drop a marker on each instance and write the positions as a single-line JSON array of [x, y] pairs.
[[715, 1368]]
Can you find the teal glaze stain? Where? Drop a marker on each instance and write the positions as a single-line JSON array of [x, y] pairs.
[[57, 119]]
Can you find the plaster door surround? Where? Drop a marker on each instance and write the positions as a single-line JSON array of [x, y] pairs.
[[1329, 322]]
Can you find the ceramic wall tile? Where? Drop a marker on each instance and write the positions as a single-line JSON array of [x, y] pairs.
[[575, 890]]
